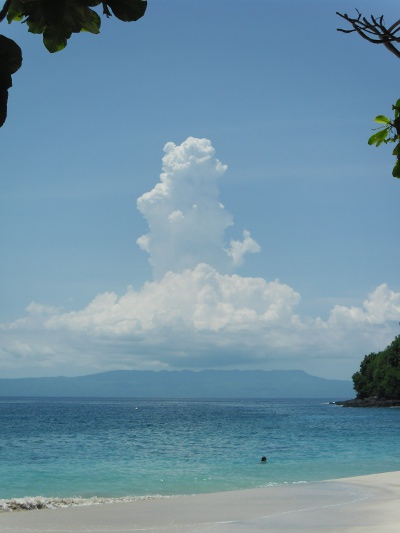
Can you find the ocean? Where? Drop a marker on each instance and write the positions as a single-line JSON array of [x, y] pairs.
[[84, 451]]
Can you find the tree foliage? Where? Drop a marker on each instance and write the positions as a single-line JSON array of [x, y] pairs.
[[379, 374], [56, 21], [389, 133]]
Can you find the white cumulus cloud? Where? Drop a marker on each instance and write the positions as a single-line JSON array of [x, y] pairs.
[[196, 313], [186, 220], [238, 249], [383, 305], [199, 318]]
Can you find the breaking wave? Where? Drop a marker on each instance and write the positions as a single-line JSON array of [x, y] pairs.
[[41, 502]]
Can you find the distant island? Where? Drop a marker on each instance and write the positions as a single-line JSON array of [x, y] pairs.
[[377, 383], [181, 384]]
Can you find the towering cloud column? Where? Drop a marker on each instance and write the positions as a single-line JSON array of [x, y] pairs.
[[186, 220]]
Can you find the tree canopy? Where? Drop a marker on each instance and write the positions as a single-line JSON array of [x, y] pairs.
[[379, 374], [56, 21]]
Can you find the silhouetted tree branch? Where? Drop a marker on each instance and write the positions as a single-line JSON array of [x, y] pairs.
[[374, 31]]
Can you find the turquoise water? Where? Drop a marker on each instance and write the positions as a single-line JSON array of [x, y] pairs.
[[64, 448]]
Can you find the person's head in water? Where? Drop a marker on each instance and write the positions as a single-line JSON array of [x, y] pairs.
[[263, 459]]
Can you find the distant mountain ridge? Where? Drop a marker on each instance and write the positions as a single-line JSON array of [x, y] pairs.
[[182, 384]]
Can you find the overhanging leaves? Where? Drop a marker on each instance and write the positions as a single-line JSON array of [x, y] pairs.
[[57, 20], [10, 62]]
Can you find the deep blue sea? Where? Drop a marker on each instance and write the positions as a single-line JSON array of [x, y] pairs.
[[94, 449]]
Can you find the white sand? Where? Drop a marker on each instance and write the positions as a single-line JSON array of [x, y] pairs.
[[367, 504]]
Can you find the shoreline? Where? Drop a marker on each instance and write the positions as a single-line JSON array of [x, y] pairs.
[[372, 402], [353, 505]]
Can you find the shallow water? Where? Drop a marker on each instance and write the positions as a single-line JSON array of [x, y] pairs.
[[106, 448]]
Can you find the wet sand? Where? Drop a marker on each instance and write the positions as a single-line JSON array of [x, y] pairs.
[[367, 504]]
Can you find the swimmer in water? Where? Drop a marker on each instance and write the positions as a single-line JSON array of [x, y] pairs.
[[263, 459]]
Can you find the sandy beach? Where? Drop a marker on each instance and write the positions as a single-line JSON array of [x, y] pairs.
[[368, 504]]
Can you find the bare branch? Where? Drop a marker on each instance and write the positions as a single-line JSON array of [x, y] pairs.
[[393, 26], [374, 31]]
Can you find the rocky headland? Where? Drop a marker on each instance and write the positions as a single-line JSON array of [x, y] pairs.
[[373, 401]]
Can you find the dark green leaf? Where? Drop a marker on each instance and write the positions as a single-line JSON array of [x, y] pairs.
[[10, 62], [15, 11], [127, 10], [75, 17], [92, 22], [396, 108], [54, 39], [35, 27], [396, 170], [10, 56], [3, 105]]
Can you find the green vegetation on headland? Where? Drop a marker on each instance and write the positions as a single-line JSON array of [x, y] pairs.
[[379, 374], [377, 383]]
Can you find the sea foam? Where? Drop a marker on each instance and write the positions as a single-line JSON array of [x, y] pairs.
[[41, 502]]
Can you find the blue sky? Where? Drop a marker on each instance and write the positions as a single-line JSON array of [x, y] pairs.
[[263, 108]]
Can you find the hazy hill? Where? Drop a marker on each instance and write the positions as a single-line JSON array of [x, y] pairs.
[[183, 384]]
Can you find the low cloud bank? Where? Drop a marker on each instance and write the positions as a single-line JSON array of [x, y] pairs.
[[199, 319], [197, 313]]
